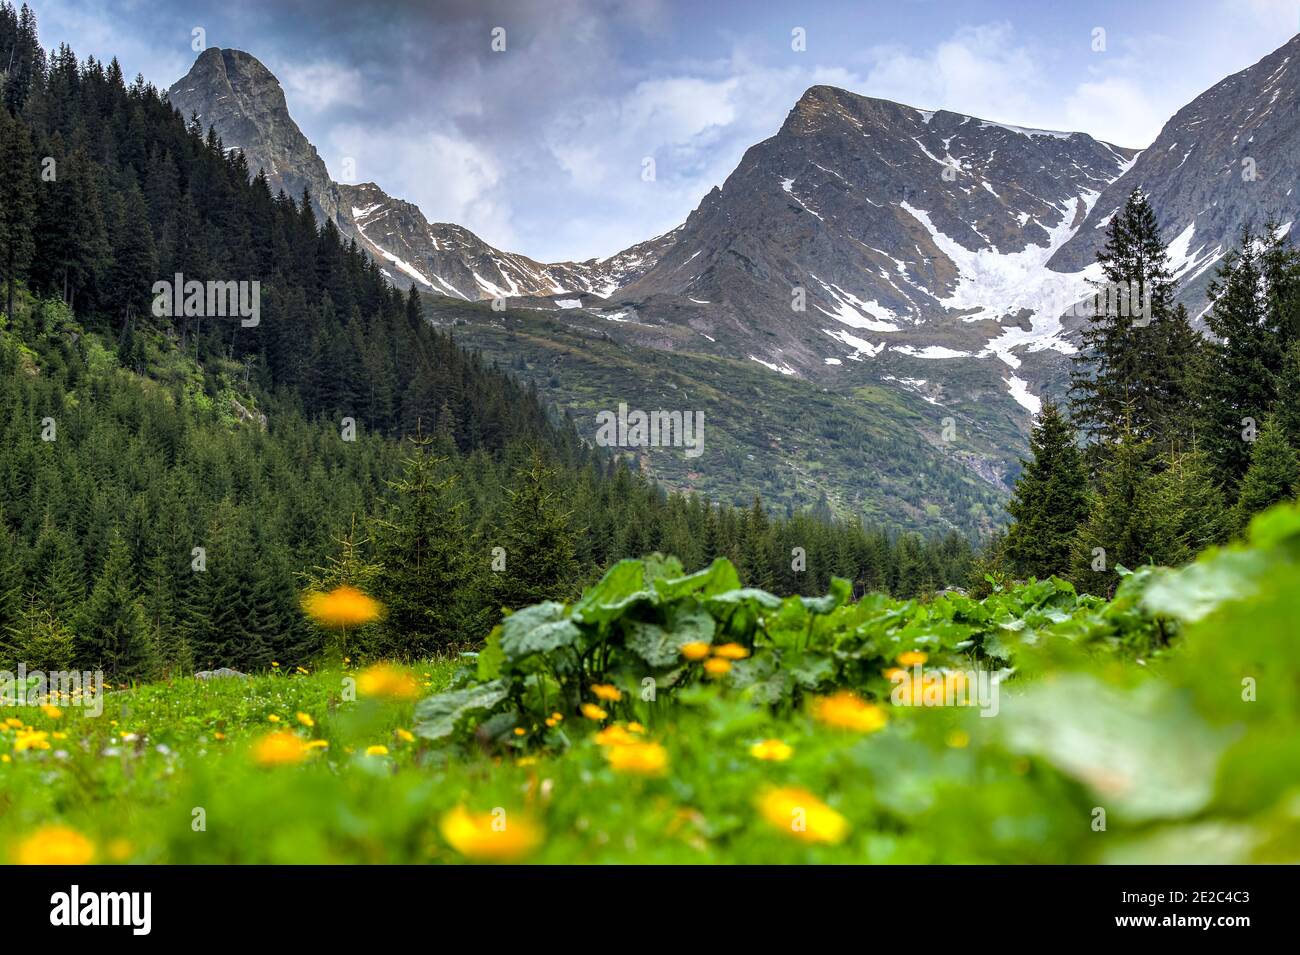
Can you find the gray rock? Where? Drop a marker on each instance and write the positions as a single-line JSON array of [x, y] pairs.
[[222, 673]]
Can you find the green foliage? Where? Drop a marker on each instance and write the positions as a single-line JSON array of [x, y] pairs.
[[1138, 367], [1273, 474], [111, 633], [537, 537], [1050, 499], [423, 544]]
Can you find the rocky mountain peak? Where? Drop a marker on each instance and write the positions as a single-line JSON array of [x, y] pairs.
[[233, 91]]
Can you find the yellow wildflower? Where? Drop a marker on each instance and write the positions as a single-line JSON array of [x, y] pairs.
[[55, 845], [731, 651], [611, 735], [274, 718], [846, 710], [773, 750], [385, 680], [695, 650], [912, 658], [637, 758], [305, 719], [800, 814], [607, 693], [593, 712], [279, 749], [717, 667], [376, 750], [31, 739], [406, 736], [343, 606], [53, 712], [490, 837]]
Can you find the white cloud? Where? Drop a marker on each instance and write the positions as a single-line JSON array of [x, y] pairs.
[[313, 87], [1116, 110]]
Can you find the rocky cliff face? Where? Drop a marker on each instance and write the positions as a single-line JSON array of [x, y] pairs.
[[235, 93], [1230, 156]]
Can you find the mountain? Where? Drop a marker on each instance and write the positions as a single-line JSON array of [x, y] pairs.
[[243, 99], [236, 93], [867, 250], [1230, 156], [448, 259]]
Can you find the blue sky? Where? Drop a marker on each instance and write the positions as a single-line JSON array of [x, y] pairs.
[[540, 148]]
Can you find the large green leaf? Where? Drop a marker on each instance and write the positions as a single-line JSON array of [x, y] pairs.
[[537, 629], [1145, 754], [437, 717], [622, 586], [660, 645], [717, 578]]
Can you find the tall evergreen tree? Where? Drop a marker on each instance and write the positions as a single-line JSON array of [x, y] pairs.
[[17, 202], [1273, 474], [537, 536], [424, 547], [1137, 350], [111, 633], [1242, 361], [1050, 499]]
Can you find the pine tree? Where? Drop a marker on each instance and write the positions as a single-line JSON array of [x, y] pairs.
[[537, 535], [424, 547], [1121, 516], [1273, 474], [43, 642], [1243, 360], [111, 633], [1189, 510], [1050, 499], [11, 582], [1287, 407], [758, 549], [17, 202], [1132, 350]]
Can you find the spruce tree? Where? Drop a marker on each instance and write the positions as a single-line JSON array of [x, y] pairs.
[[111, 632], [1272, 476], [1242, 361], [1121, 516], [1130, 363], [423, 544], [537, 535], [17, 202], [1050, 499]]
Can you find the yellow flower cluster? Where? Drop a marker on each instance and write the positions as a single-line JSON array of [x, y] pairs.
[[801, 815], [55, 845], [717, 660], [388, 682], [846, 710]]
